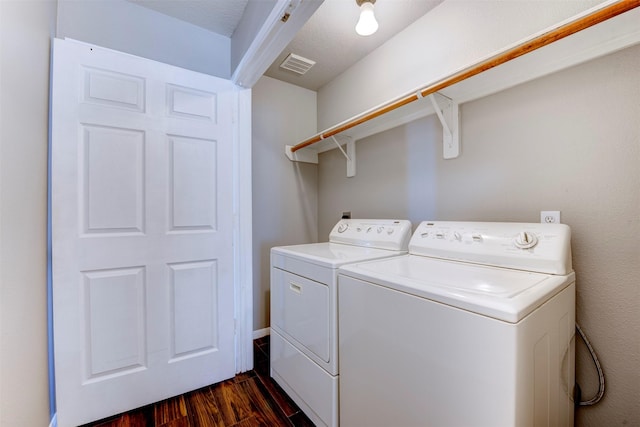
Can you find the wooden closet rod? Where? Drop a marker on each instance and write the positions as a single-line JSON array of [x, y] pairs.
[[566, 30]]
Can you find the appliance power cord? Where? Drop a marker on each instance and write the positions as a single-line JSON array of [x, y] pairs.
[[594, 357]]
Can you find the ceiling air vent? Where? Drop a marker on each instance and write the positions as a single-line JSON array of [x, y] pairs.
[[297, 64]]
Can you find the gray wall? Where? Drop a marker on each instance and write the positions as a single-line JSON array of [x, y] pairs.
[[395, 179], [285, 205], [568, 142], [25, 31], [127, 27]]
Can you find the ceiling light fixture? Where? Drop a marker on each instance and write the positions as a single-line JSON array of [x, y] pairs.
[[367, 23]]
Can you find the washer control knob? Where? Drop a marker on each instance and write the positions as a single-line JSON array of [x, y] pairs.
[[380, 229], [440, 234], [476, 237], [457, 236], [525, 240], [369, 229], [343, 227], [390, 231]]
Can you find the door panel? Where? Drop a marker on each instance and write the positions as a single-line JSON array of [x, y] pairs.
[[112, 180], [142, 214], [193, 291], [114, 339], [192, 184]]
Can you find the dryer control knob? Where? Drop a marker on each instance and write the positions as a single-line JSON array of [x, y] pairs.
[[526, 240], [343, 227]]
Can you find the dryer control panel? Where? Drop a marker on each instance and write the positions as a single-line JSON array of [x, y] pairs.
[[543, 248], [390, 234]]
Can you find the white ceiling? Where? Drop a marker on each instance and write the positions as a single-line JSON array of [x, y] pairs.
[[329, 37]]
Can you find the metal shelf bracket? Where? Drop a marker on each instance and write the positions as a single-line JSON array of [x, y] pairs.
[[309, 155], [449, 116], [305, 155], [350, 155]]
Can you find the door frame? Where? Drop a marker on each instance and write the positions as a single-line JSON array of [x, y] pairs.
[[243, 233]]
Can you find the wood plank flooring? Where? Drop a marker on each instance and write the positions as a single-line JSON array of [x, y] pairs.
[[248, 400]]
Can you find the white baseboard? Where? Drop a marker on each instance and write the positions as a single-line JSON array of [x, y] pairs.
[[261, 333]]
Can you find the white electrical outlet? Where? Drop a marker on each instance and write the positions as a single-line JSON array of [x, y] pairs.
[[550, 217]]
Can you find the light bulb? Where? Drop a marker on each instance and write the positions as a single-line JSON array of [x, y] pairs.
[[367, 23]]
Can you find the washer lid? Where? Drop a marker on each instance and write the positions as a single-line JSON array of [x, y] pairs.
[[501, 293], [333, 255]]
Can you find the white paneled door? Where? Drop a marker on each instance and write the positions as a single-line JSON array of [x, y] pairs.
[[142, 223]]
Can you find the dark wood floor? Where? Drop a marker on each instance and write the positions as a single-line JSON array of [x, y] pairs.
[[250, 399]]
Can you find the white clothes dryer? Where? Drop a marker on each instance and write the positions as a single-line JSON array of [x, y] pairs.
[[474, 327], [304, 308]]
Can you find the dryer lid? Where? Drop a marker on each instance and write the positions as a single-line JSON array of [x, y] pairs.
[[332, 255]]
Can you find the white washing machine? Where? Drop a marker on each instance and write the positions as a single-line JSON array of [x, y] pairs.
[[474, 327], [304, 330]]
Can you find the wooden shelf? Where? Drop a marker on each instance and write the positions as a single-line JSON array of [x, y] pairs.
[[591, 37]]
